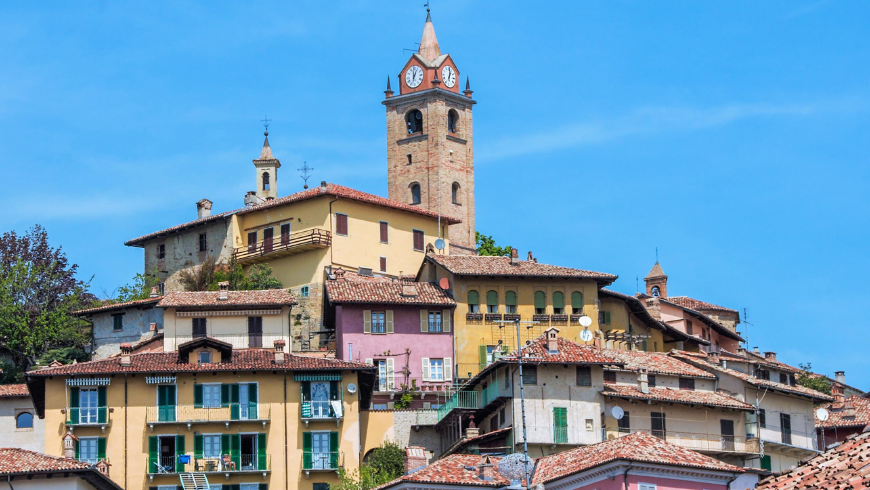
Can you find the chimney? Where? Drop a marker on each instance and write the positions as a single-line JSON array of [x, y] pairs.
[[643, 380], [531, 258], [223, 290], [713, 358], [848, 408], [840, 376], [69, 445], [552, 339], [741, 351], [486, 470], [279, 351], [203, 208], [152, 327], [755, 350], [154, 293], [472, 430], [103, 467], [515, 257], [415, 459], [770, 356], [126, 351], [323, 184], [252, 199]]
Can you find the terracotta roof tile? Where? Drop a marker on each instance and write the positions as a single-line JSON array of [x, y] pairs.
[[350, 287], [708, 320], [479, 265], [686, 397], [15, 460], [9, 391], [844, 467], [456, 469], [265, 297], [569, 353], [140, 241], [656, 363], [637, 447], [859, 416], [118, 306], [696, 304]]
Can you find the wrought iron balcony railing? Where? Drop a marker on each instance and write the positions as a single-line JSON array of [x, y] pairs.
[[283, 245], [190, 414]]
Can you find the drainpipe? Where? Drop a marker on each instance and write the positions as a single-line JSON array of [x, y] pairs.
[[728, 485], [126, 472], [331, 233], [9, 482], [286, 461], [625, 476]]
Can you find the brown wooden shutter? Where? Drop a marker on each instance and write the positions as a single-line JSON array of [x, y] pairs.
[[383, 264], [268, 239], [418, 240], [252, 241], [341, 224], [385, 233]]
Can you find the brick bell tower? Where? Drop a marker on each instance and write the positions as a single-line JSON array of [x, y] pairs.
[[430, 150]]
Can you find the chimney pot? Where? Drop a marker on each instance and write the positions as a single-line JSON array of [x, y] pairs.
[[154, 293], [515, 257], [126, 351], [770, 355], [152, 327], [552, 334], [323, 184], [203, 208], [840, 376], [279, 351], [643, 380], [223, 290], [713, 358], [415, 459]]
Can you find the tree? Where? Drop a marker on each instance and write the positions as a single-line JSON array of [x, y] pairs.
[[808, 379], [39, 292], [206, 276], [385, 464], [65, 355], [198, 278], [486, 246], [140, 288]]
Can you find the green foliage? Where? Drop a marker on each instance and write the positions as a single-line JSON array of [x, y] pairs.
[[65, 355], [205, 277], [200, 277], [140, 288], [404, 401], [260, 277], [385, 464], [486, 246], [807, 379]]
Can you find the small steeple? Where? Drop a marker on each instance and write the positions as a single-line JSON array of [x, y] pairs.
[[656, 271], [266, 153], [656, 282], [389, 91], [266, 173], [468, 90], [429, 43]]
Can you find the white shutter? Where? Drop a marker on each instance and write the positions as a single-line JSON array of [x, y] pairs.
[[367, 321], [389, 316], [390, 374], [424, 320], [448, 369], [425, 369], [445, 320]]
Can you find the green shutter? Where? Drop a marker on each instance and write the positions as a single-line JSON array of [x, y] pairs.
[[765, 463], [179, 450], [540, 299], [577, 300], [560, 425], [306, 399], [101, 448], [252, 402], [234, 401], [261, 451], [481, 356], [77, 449], [306, 451], [264, 486], [153, 452], [102, 414], [492, 298], [225, 395], [197, 396], [225, 444], [197, 446], [236, 450], [510, 298], [607, 318], [473, 297], [74, 405], [333, 449], [334, 392], [558, 299]]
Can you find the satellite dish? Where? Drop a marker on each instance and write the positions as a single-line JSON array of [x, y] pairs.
[[822, 414], [439, 244], [351, 388], [444, 283], [513, 468], [586, 335], [617, 413], [585, 321]]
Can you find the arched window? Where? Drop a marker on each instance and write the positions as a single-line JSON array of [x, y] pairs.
[[492, 302], [540, 303], [558, 303], [452, 120], [510, 301], [415, 121], [656, 291], [265, 181], [415, 193], [577, 302], [473, 301], [24, 420], [455, 192]]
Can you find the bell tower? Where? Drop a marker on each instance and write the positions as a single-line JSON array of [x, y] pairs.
[[656, 282], [266, 171], [430, 139]]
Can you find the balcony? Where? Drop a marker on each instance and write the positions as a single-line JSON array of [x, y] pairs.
[[473, 318], [541, 318], [322, 411], [473, 400], [320, 461], [708, 443], [493, 317], [88, 417], [283, 245], [244, 463], [237, 340], [412, 385], [512, 317], [559, 319], [189, 414]]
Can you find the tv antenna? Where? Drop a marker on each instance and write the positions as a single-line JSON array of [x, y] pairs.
[[306, 171]]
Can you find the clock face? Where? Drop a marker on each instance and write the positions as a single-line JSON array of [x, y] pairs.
[[414, 76], [448, 74]]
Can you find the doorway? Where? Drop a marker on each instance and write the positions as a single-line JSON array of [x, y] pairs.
[[249, 451], [727, 431]]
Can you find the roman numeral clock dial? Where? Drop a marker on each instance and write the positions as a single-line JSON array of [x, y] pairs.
[[414, 76], [448, 74]]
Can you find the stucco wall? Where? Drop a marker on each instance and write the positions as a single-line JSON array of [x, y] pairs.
[[71, 482], [231, 328], [30, 439], [136, 324]]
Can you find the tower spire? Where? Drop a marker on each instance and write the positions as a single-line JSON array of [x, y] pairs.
[[429, 43]]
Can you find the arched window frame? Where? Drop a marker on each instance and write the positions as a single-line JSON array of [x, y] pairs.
[[452, 121], [24, 416], [492, 301], [473, 301], [656, 291], [414, 124], [416, 193], [265, 181], [456, 193]]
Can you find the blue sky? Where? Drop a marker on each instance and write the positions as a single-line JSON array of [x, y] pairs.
[[733, 136]]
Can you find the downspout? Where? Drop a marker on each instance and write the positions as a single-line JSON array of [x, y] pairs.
[[286, 460], [331, 233], [625, 476], [9, 482], [125, 431], [728, 485]]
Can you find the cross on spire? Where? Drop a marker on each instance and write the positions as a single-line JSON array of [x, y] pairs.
[[306, 170], [266, 122]]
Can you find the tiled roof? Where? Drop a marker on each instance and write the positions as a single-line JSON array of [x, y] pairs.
[[265, 297], [569, 353], [118, 306], [696, 304], [708, 320], [479, 265], [762, 383], [157, 362], [153, 344], [844, 467], [839, 417], [456, 469], [656, 363], [15, 460], [686, 397], [656, 271], [140, 241], [467, 442], [637, 447], [350, 287], [9, 391]]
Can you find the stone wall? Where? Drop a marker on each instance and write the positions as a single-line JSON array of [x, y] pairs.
[[136, 323], [182, 251], [408, 431], [307, 317]]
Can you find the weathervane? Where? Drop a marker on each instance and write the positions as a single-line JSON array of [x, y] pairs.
[[305, 173]]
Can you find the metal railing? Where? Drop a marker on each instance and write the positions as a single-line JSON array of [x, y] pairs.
[[303, 240], [237, 340], [796, 438], [164, 465], [87, 416], [190, 414], [92, 461], [326, 461], [400, 384], [696, 441], [227, 463], [460, 399]]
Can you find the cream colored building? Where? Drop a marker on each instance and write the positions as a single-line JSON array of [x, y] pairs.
[[20, 426]]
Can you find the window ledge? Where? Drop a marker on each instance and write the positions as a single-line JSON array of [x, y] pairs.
[[412, 138], [456, 139]]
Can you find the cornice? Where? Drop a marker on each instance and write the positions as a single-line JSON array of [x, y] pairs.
[[432, 92]]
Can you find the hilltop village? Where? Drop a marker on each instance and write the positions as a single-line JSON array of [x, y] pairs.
[[391, 327]]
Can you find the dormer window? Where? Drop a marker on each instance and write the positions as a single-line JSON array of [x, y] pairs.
[[414, 119], [205, 357]]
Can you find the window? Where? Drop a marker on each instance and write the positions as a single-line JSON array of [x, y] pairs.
[[452, 120], [530, 375], [161, 251], [651, 380], [473, 301], [320, 450], [783, 378], [304, 291], [646, 486], [762, 374], [540, 303], [762, 418], [609, 377], [89, 449], [414, 119], [558, 303], [378, 406], [320, 486], [510, 301], [205, 357], [211, 446], [118, 322], [410, 159], [492, 301], [382, 264], [454, 193], [252, 241], [436, 369], [415, 193], [785, 427], [584, 376], [379, 322], [24, 420], [198, 328], [560, 425], [435, 321], [507, 377], [656, 291], [765, 463], [576, 302], [501, 416], [341, 224], [604, 317], [320, 399], [256, 486], [385, 232], [689, 329], [88, 405], [285, 234], [687, 384], [255, 332], [659, 428], [265, 181], [211, 396], [624, 424], [418, 240], [203, 242]]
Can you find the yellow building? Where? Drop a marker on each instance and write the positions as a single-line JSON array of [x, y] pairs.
[[255, 418]]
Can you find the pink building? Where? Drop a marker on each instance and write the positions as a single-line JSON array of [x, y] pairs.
[[403, 327]]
